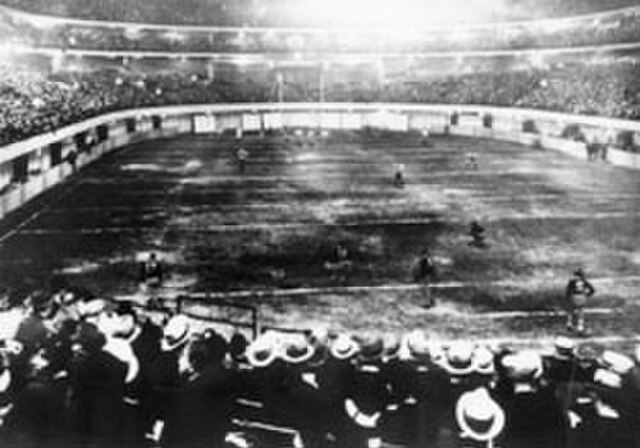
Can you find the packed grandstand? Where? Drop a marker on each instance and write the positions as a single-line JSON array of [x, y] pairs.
[[80, 370]]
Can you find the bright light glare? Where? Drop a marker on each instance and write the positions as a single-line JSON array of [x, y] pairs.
[[391, 13]]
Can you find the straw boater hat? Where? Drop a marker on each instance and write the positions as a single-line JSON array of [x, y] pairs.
[[479, 417], [417, 346], [459, 358], [483, 360], [616, 362], [264, 350], [344, 347], [608, 379], [564, 348], [175, 333], [523, 366], [296, 349], [390, 347]]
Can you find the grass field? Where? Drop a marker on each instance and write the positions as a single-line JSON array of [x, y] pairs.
[[273, 228]]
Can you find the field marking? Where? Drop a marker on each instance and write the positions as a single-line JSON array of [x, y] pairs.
[[326, 175], [221, 228], [65, 190], [349, 290]]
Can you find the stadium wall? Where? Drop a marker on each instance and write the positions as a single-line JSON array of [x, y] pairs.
[[30, 167]]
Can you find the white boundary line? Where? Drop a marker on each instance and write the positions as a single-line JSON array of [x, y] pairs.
[[549, 216]]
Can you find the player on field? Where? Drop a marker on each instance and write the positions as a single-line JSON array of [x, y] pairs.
[[242, 155], [398, 179], [578, 291], [424, 272], [476, 231], [151, 273]]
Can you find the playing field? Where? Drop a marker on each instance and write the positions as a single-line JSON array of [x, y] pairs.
[[265, 236]]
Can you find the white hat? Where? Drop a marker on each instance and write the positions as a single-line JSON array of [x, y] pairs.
[[459, 359], [479, 416], [608, 379], [524, 365], [616, 362], [10, 321], [417, 345], [564, 347], [483, 360], [344, 347], [264, 350], [296, 349], [175, 333], [92, 307]]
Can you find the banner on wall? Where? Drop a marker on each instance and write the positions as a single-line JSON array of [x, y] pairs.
[[204, 124], [302, 120], [273, 121], [251, 122]]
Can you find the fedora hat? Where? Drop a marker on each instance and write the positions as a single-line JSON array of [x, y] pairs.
[[523, 366], [344, 347], [479, 417], [483, 360], [616, 362], [564, 347], [417, 345], [296, 349], [175, 333], [459, 358], [264, 350]]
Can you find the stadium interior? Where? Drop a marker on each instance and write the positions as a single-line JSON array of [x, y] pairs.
[[314, 224]]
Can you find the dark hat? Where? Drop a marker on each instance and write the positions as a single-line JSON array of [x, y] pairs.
[[579, 272], [371, 348], [90, 338], [124, 308]]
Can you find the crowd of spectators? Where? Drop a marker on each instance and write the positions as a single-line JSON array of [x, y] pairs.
[[77, 370], [33, 103], [267, 12], [622, 27]]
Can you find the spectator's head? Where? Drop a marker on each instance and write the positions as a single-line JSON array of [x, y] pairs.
[[264, 350], [238, 346], [296, 349], [479, 417], [391, 344], [89, 339], [564, 348], [417, 346], [524, 367], [371, 349], [459, 358], [483, 361], [126, 318], [616, 362], [344, 347], [175, 333]]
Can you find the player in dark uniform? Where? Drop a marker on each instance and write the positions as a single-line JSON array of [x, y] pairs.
[[340, 264], [241, 156], [151, 273], [424, 272], [476, 231], [578, 291], [398, 179]]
